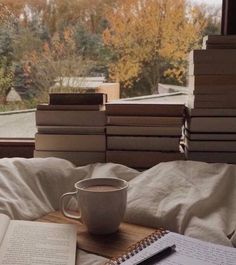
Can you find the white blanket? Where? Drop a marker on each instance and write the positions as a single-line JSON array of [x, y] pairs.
[[193, 198]]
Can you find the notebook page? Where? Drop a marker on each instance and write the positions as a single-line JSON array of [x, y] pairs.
[[34, 243], [188, 251]]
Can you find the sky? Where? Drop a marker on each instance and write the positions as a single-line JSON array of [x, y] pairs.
[[210, 2]]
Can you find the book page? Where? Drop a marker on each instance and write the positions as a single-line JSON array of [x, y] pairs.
[[4, 222], [35, 243], [188, 251]]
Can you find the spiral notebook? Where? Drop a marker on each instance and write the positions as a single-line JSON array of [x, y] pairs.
[[188, 251]]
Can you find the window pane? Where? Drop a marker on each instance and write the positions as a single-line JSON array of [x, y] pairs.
[[128, 48]]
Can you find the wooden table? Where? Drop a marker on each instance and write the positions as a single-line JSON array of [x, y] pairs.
[[107, 246]]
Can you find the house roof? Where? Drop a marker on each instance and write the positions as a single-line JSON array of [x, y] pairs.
[[80, 82]]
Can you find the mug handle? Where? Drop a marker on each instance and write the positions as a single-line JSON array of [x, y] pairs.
[[62, 206]]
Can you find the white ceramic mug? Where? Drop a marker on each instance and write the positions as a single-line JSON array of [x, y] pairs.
[[102, 203]]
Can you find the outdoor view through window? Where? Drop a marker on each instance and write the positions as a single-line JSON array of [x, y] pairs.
[[74, 45]]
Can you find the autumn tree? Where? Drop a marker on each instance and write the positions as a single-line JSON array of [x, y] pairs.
[[57, 60], [151, 40], [7, 22]]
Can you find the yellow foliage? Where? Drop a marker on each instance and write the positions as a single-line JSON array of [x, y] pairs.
[[143, 31]]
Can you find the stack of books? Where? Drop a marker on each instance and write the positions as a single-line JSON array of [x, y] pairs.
[[72, 127], [219, 42], [143, 135], [210, 131]]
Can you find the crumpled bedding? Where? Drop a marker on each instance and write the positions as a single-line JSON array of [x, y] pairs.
[[193, 198]]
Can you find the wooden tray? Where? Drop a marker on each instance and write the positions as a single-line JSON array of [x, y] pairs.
[[106, 245]]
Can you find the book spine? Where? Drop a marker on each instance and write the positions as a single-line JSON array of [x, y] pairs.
[[143, 143], [210, 69], [70, 118], [147, 121], [145, 110], [212, 124], [48, 142], [145, 131], [77, 99]]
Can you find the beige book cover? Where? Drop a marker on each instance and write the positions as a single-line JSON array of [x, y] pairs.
[[52, 142], [70, 117], [144, 130], [144, 121], [143, 143]]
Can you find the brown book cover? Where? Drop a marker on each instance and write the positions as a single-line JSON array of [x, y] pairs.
[[70, 117], [210, 136], [140, 109], [144, 130], [213, 56], [210, 112], [57, 142], [142, 159], [69, 107], [77, 98], [221, 90], [214, 98], [211, 157], [214, 46], [209, 80], [193, 102], [77, 158], [208, 146], [221, 39], [144, 121], [211, 124], [143, 143], [212, 69], [70, 130]]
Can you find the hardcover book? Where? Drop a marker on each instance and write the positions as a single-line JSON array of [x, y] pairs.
[[56, 142], [141, 109], [77, 98], [70, 118], [144, 121], [143, 143]]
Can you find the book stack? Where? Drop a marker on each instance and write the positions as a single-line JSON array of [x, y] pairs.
[[143, 135], [72, 127], [210, 131], [219, 42]]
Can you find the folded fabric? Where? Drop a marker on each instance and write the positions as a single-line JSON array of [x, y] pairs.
[[193, 198]]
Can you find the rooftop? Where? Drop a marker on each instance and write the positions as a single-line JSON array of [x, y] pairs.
[[21, 124]]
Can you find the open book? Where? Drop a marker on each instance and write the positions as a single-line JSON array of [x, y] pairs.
[[189, 251], [31, 243]]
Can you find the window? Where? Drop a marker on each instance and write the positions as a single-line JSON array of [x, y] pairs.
[[57, 45]]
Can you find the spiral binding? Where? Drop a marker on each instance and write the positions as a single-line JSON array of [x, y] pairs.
[[137, 247]]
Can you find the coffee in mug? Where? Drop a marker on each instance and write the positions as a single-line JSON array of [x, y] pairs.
[[102, 203]]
